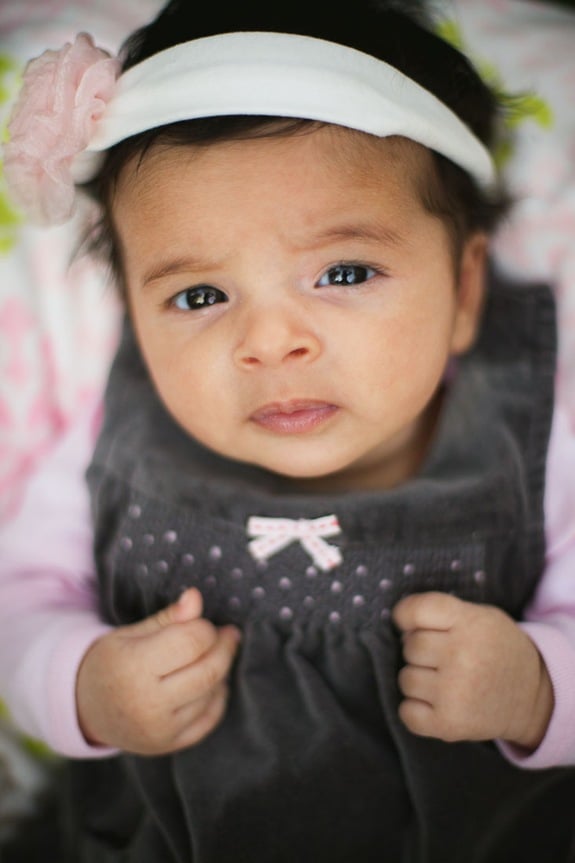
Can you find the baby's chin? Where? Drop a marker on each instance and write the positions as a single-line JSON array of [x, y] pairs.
[[299, 474], [311, 479]]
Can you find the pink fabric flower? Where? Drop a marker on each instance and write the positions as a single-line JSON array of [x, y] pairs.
[[63, 95]]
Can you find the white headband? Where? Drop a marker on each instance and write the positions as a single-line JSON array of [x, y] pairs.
[[279, 74]]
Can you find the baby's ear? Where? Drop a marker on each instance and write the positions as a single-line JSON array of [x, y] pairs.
[[470, 292]]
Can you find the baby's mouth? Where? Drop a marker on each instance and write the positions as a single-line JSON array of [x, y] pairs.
[[296, 416]]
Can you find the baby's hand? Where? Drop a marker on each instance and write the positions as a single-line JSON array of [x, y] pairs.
[[471, 673], [159, 685]]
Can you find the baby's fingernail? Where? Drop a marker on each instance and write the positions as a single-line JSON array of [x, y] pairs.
[[182, 604], [186, 595]]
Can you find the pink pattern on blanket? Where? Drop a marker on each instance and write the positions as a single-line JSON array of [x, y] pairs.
[[59, 329], [58, 322], [15, 322]]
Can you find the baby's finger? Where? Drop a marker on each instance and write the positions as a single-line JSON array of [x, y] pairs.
[[418, 683], [197, 721], [423, 647], [418, 717], [188, 607], [176, 647], [431, 610], [191, 711], [202, 675]]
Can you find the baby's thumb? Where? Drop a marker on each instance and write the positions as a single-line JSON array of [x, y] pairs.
[[188, 607]]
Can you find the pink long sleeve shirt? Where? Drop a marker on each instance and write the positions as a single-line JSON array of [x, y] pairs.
[[48, 613]]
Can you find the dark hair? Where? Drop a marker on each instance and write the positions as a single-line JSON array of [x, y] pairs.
[[401, 33]]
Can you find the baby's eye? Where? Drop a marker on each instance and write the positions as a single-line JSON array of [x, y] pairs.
[[347, 274], [199, 297]]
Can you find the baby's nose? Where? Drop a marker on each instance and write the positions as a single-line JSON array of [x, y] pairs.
[[274, 336]]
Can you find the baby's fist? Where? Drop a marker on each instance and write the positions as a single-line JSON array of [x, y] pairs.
[[470, 673]]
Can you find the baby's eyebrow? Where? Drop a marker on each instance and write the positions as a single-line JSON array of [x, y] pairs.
[[171, 267], [372, 232]]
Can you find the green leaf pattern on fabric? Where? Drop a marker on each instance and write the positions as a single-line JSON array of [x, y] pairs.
[[10, 220], [35, 748], [518, 107]]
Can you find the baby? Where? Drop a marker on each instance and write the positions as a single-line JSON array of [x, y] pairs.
[[318, 488]]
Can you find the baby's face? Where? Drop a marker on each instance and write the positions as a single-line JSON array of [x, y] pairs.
[[295, 303]]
